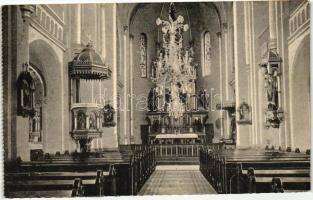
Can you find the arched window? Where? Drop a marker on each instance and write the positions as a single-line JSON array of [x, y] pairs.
[[303, 16], [143, 55], [60, 34], [55, 33], [206, 54], [299, 20], [43, 19], [38, 14], [48, 23], [52, 27]]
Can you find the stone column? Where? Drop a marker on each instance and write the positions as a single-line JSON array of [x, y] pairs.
[[272, 26], [103, 42], [125, 58], [18, 47], [219, 35], [131, 90], [75, 121], [26, 11], [87, 121], [76, 31], [114, 67], [226, 68]]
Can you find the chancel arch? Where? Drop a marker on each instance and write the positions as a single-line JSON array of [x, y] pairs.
[[206, 28]]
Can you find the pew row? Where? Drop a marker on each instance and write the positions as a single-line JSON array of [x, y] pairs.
[[59, 183], [255, 171], [98, 177]]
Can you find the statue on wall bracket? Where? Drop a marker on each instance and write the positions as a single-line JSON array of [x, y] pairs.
[[271, 66], [244, 111], [108, 116], [25, 93]]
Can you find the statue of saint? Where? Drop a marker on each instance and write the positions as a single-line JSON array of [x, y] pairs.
[[152, 100], [81, 119], [244, 112], [204, 99], [270, 84]]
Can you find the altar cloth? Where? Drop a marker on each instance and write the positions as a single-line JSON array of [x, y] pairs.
[[177, 136]]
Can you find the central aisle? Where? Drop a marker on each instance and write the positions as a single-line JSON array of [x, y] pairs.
[[176, 180]]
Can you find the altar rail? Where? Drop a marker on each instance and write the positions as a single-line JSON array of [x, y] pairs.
[[181, 150], [175, 150]]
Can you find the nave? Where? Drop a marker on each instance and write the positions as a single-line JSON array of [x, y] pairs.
[[102, 99]]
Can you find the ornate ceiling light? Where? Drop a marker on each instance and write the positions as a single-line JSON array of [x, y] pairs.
[[174, 72]]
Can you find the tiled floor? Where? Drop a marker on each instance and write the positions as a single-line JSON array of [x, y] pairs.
[[176, 180]]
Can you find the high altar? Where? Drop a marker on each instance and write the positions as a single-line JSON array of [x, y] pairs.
[[175, 116]]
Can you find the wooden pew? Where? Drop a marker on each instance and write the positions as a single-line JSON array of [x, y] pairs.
[[25, 188], [278, 180], [227, 170], [97, 178], [265, 173], [142, 165]]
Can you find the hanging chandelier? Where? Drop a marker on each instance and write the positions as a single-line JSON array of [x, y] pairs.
[[174, 72]]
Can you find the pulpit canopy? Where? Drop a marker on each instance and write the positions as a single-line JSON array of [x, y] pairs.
[[89, 65]]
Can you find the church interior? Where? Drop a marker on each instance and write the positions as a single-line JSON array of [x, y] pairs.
[[156, 98]]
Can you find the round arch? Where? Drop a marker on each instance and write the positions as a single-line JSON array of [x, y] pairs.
[[300, 95], [45, 62], [218, 6]]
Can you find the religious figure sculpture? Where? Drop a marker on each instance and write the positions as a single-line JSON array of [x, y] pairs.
[[204, 99], [244, 113], [272, 72], [108, 116], [25, 93], [233, 128], [143, 55], [271, 86], [152, 100], [81, 121], [92, 121]]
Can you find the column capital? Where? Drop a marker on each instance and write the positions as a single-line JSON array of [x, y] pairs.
[[125, 28], [225, 26], [27, 11], [219, 34]]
